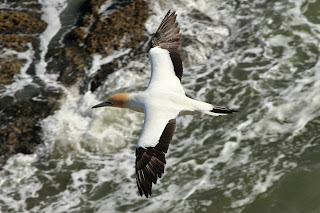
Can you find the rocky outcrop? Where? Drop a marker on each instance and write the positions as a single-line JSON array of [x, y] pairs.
[[124, 28], [26, 22], [10, 66], [18, 29], [22, 132], [97, 31], [71, 61], [15, 41]]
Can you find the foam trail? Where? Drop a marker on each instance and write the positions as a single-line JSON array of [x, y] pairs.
[[19, 172], [51, 12], [98, 60]]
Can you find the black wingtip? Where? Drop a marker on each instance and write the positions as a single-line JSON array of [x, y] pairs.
[[223, 110]]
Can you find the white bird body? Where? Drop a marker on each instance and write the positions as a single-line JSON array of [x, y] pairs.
[[159, 107], [167, 101], [162, 101]]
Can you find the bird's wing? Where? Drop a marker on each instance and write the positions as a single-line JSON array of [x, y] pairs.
[[158, 129], [166, 64]]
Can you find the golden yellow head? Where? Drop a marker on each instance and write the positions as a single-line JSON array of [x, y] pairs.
[[118, 100]]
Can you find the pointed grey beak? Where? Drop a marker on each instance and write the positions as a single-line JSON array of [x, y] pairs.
[[103, 104]]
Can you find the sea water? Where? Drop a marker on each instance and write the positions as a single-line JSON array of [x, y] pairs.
[[259, 57]]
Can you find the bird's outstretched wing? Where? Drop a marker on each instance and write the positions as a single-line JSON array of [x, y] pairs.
[[158, 129], [159, 123], [166, 64], [168, 37], [150, 161]]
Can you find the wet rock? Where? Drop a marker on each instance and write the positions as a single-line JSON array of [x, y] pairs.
[[25, 22], [23, 4], [18, 31], [71, 61], [102, 74], [20, 131], [102, 34], [10, 66], [123, 28], [19, 43], [20, 27]]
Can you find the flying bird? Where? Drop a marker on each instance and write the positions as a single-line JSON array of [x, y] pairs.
[[162, 102]]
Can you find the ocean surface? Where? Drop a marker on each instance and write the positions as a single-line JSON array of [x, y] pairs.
[[260, 57]]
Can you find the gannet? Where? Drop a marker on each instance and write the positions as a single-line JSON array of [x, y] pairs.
[[162, 102]]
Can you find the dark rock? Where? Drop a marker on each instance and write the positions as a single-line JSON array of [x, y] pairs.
[[26, 22], [10, 66], [20, 131], [15, 42], [71, 61], [105, 70], [123, 28], [17, 29]]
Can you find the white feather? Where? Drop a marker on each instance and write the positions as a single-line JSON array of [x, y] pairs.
[[155, 120]]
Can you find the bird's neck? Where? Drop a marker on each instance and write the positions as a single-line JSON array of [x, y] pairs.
[[134, 102]]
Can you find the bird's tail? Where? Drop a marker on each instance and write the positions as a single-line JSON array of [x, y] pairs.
[[222, 110], [203, 107], [217, 110]]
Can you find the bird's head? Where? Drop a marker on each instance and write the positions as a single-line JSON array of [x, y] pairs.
[[118, 100]]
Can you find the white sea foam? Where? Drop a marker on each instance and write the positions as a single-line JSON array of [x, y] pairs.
[[105, 10], [77, 127], [18, 173], [98, 60], [131, 78], [51, 12], [105, 6], [201, 43]]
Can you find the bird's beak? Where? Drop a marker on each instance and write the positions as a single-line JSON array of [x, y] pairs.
[[103, 104]]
